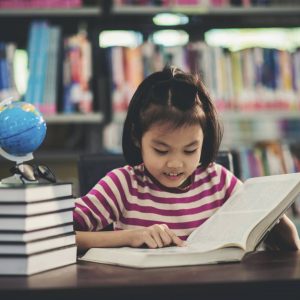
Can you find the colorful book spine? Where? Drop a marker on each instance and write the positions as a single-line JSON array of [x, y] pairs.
[[41, 64], [48, 105], [78, 95], [32, 60]]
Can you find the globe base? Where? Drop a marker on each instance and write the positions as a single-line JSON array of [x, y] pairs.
[[17, 159], [16, 178]]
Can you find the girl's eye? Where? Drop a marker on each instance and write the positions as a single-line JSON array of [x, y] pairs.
[[190, 151], [162, 152]]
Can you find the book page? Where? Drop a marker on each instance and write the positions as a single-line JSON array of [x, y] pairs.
[[225, 229], [233, 222]]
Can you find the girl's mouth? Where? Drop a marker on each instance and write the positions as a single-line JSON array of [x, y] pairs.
[[173, 175]]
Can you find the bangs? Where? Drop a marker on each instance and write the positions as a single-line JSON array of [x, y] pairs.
[[173, 116]]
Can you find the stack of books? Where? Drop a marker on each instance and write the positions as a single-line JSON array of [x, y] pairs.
[[36, 228]]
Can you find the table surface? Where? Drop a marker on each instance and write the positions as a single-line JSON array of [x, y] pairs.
[[271, 274]]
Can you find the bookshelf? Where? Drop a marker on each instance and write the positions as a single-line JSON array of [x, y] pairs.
[[211, 17], [75, 132], [61, 118], [15, 24], [243, 126], [68, 134], [104, 14], [92, 11], [210, 11]]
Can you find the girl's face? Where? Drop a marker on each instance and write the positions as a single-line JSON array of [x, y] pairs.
[[172, 155]]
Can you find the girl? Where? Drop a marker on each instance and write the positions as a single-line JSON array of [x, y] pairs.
[[171, 184]]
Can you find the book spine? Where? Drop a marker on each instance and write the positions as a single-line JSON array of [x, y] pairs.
[[50, 91], [32, 60]]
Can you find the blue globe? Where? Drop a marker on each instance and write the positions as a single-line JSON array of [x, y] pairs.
[[22, 128]]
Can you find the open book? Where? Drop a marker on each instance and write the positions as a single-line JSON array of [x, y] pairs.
[[235, 229]]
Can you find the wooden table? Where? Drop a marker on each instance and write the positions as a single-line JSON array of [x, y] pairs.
[[263, 275]]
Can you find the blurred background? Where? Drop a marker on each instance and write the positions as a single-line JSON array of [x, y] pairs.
[[79, 63]]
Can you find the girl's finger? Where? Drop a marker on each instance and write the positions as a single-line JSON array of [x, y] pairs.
[[155, 234], [165, 237], [175, 239], [150, 242]]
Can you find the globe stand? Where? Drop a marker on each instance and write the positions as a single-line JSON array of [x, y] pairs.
[[16, 178], [22, 130]]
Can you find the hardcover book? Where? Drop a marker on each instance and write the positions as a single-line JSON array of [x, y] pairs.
[[28, 236], [38, 262], [37, 207], [35, 222], [38, 245], [33, 192]]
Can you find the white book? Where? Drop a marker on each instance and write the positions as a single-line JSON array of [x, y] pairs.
[[38, 207], [33, 192], [28, 236], [34, 222], [36, 263], [38, 245], [237, 228]]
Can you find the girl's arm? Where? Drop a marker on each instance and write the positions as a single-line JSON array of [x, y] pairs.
[[155, 236], [95, 239], [284, 236]]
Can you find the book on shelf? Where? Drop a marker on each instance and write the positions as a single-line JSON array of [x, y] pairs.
[[77, 70], [45, 65], [28, 236], [38, 262], [236, 229], [41, 64], [7, 79], [33, 49], [33, 192], [266, 158], [35, 222], [49, 103], [37, 245], [38, 207]]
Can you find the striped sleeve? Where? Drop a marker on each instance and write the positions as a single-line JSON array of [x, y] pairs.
[[100, 207]]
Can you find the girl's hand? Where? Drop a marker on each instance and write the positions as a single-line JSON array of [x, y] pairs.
[[155, 236], [284, 236]]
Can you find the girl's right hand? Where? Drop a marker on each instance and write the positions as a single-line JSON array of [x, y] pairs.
[[155, 236]]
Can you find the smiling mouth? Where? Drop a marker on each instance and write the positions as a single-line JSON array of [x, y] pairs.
[[171, 174]]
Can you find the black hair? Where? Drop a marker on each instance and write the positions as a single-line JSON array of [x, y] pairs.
[[175, 97]]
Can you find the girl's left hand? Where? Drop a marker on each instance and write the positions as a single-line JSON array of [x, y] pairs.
[[283, 236]]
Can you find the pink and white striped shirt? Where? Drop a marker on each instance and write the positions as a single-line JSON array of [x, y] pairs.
[[130, 198]]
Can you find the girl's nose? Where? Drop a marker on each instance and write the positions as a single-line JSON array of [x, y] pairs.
[[174, 164]]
